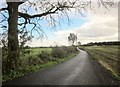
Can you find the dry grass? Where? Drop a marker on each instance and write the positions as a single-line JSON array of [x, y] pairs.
[[107, 56]]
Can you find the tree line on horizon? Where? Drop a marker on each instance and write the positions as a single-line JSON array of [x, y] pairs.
[[109, 43]]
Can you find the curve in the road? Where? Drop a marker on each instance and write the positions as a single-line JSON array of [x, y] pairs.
[[76, 71]]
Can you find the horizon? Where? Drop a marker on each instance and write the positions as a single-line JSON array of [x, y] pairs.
[[70, 45]]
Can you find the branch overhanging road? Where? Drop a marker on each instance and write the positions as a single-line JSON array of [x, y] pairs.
[[76, 71]]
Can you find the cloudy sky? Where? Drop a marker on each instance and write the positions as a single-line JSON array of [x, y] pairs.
[[94, 25]]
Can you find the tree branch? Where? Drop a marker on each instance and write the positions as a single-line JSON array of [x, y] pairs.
[[22, 1], [3, 9], [25, 15], [52, 10]]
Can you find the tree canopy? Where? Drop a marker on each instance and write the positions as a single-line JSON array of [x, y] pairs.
[[72, 38]]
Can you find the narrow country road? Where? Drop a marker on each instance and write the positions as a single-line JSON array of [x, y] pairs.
[[76, 71]]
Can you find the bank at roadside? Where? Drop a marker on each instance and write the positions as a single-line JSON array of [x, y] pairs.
[[38, 59], [105, 62]]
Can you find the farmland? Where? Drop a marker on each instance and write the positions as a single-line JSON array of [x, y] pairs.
[[107, 56], [36, 51]]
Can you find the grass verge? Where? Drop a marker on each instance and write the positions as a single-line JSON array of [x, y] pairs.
[[103, 55], [31, 69]]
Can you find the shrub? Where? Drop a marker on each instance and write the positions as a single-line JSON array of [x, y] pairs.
[[26, 52], [33, 61], [59, 52], [71, 49], [44, 55]]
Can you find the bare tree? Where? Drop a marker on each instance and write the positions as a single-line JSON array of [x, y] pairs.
[[18, 17], [79, 43], [72, 38]]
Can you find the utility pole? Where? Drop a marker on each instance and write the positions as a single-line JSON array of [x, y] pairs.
[[76, 39]]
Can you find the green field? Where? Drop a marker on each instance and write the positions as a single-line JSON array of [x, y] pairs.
[[107, 56], [35, 51], [107, 49]]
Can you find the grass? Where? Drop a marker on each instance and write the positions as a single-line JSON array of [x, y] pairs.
[[26, 69], [107, 49], [107, 56], [109, 68], [35, 51]]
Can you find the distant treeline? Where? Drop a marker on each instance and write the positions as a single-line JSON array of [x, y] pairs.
[[103, 43]]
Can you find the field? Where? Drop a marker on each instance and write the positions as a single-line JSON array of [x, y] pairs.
[[107, 56], [36, 51]]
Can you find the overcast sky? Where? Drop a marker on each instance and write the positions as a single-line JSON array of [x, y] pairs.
[[96, 26], [92, 26]]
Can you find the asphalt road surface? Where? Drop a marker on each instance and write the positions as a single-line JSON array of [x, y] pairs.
[[76, 71]]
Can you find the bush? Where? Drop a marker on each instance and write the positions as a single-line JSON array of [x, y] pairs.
[[33, 61], [59, 52], [44, 55], [71, 49]]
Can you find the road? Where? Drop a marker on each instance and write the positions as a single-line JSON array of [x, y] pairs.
[[76, 71]]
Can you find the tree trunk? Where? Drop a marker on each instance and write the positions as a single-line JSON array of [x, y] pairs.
[[119, 59], [13, 45]]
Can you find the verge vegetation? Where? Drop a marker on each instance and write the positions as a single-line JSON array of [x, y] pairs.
[[107, 56], [36, 59]]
